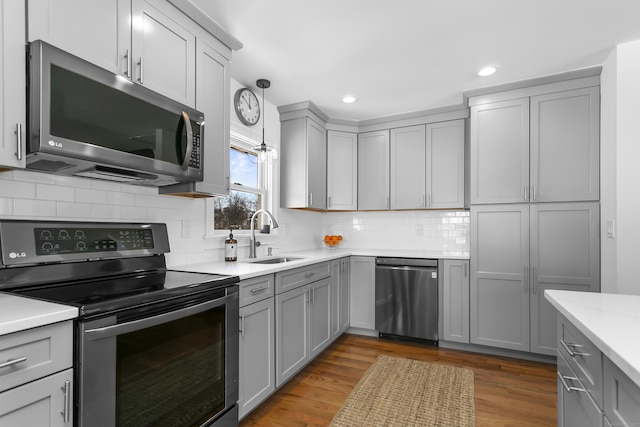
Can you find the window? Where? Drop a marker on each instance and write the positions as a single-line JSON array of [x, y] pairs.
[[248, 189]]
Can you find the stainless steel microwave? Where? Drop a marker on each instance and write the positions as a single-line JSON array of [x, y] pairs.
[[86, 121]]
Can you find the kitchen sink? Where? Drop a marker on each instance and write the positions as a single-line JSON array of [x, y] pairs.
[[275, 260]]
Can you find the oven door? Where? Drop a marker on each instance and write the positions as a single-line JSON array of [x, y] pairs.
[[173, 368]]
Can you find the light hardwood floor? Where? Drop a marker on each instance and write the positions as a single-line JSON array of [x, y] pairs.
[[508, 392]]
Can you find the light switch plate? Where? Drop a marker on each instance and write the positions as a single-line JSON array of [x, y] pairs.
[[611, 229]]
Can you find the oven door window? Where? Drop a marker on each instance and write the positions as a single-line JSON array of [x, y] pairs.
[[172, 374]]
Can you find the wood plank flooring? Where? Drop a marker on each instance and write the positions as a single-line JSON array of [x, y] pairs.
[[508, 392]]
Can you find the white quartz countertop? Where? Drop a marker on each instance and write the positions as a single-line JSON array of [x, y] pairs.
[[610, 321], [20, 313], [246, 270]]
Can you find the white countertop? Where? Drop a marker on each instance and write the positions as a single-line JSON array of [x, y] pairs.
[[246, 270], [20, 313], [610, 321]]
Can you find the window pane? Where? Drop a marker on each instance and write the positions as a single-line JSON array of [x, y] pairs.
[[235, 210], [243, 167]]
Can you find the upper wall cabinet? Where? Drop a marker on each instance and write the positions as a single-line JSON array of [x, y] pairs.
[[427, 166], [303, 178], [373, 170], [150, 44], [12, 83], [543, 148], [342, 170]]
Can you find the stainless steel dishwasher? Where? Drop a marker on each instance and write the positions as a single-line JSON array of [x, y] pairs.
[[407, 297]]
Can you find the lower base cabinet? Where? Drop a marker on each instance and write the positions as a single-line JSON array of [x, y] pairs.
[[303, 327], [257, 352], [44, 402], [340, 289], [455, 301], [362, 295]]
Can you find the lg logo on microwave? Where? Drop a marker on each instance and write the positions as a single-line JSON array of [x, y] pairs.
[[55, 144], [13, 255]]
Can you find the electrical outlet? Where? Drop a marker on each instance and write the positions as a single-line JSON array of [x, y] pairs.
[[419, 230], [185, 231]]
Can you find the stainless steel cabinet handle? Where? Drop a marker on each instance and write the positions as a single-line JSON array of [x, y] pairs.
[[141, 75], [19, 141], [127, 58], [429, 201], [241, 325], [66, 411], [307, 297], [526, 279], [568, 348], [12, 362], [387, 202], [534, 284], [329, 202], [526, 195], [307, 275], [533, 192], [566, 386], [256, 290]]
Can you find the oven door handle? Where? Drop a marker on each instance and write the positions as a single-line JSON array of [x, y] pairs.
[[147, 322]]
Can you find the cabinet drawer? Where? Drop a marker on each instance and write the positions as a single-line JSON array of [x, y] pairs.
[[256, 289], [296, 277], [583, 356], [37, 353], [621, 396], [576, 408]]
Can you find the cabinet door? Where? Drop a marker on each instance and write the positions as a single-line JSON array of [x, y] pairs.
[[342, 170], [212, 99], [163, 53], [320, 315], [362, 295], [292, 329], [408, 168], [98, 31], [373, 170], [565, 254], [39, 403], [500, 152], [445, 165], [316, 166], [575, 408], [343, 295], [499, 313], [565, 146], [13, 107], [456, 301], [257, 353], [621, 396], [336, 271]]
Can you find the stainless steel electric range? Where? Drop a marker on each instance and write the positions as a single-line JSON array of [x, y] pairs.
[[153, 346]]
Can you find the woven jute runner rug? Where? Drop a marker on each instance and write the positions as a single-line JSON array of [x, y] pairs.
[[402, 392]]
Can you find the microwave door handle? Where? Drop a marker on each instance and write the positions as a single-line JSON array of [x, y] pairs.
[[189, 129], [147, 322]]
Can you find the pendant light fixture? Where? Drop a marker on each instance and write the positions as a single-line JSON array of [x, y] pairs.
[[263, 149]]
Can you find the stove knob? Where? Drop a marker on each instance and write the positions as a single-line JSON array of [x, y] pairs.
[[63, 234], [46, 235], [81, 246], [79, 234], [47, 246]]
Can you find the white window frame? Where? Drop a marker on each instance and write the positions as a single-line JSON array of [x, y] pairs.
[[265, 183]]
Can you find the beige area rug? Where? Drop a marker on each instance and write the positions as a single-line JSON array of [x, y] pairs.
[[403, 392]]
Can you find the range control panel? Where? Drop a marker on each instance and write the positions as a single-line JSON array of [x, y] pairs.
[[24, 242], [78, 240]]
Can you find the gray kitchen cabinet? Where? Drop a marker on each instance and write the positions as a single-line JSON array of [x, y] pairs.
[[543, 148], [445, 165], [150, 43], [303, 173], [12, 85], [339, 296], [257, 378], [44, 402], [621, 396], [373, 170], [342, 170], [565, 146], [408, 168], [362, 295], [576, 408], [455, 301], [499, 134], [518, 251], [302, 327]]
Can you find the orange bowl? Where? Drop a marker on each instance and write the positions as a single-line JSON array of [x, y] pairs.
[[332, 241]]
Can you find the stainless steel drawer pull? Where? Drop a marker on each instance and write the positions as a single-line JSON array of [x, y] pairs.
[[307, 275], [569, 349], [566, 386], [66, 411], [256, 290], [12, 362], [241, 325]]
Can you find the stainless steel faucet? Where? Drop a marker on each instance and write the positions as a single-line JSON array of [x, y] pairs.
[[252, 239]]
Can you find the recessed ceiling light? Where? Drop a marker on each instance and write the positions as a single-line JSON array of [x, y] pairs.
[[349, 99], [488, 70]]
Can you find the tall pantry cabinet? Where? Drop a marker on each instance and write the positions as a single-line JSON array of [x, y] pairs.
[[534, 208]]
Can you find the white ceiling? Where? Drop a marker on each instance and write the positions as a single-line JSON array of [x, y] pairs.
[[399, 56]]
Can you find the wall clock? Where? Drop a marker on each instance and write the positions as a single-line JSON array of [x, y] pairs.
[[247, 106]]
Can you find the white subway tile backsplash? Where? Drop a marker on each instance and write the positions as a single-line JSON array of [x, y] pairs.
[[119, 198], [31, 176], [106, 185], [106, 211], [55, 192], [73, 181], [18, 189], [34, 208], [91, 195], [6, 175], [65, 210], [6, 206]]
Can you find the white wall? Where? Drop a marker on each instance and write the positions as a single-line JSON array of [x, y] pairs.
[[620, 168]]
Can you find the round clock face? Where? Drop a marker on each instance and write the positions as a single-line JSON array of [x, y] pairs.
[[247, 106]]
